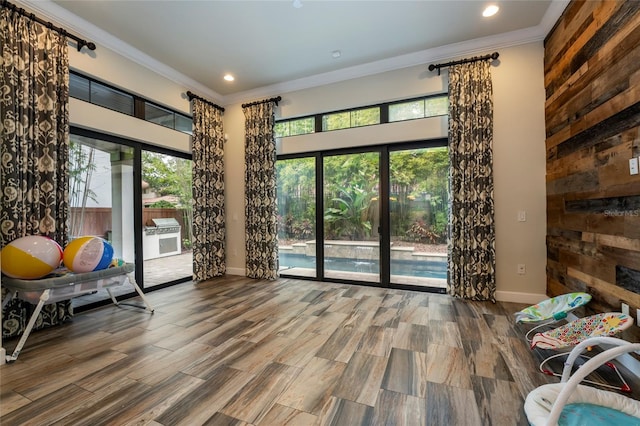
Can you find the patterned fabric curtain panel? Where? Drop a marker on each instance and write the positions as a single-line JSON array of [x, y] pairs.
[[472, 239], [208, 192], [260, 192], [34, 123]]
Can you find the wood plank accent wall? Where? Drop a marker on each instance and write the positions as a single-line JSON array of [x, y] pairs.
[[592, 82]]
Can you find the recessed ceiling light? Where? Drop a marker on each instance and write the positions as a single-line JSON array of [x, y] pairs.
[[490, 10], [229, 77], [297, 4], [336, 54]]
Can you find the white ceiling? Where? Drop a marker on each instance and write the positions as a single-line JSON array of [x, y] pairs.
[[270, 46]]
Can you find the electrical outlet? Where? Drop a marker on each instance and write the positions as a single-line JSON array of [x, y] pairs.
[[521, 269], [625, 308], [522, 216], [633, 166]]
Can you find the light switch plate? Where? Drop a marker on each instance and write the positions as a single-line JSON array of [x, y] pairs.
[[633, 166]]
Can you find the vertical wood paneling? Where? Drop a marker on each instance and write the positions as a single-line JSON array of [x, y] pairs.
[[592, 76]]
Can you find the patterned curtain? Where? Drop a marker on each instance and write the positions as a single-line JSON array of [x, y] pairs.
[[208, 192], [472, 238], [260, 192], [34, 123]]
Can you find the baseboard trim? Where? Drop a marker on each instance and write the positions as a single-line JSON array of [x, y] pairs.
[[517, 297], [502, 296], [236, 271]]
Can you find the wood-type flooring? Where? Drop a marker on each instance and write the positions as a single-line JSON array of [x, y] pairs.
[[236, 351]]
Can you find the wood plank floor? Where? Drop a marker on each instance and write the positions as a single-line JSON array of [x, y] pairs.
[[235, 351]]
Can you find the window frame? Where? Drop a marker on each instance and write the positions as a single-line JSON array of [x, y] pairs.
[[320, 118], [139, 103]]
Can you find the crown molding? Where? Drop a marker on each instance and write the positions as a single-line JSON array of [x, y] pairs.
[[63, 17], [73, 23], [437, 54]]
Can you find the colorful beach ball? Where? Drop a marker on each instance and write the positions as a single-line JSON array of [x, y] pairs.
[[86, 254], [30, 257]]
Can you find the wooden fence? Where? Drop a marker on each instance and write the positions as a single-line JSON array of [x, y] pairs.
[[97, 220]]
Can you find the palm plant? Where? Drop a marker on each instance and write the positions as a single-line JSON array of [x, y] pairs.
[[347, 217]]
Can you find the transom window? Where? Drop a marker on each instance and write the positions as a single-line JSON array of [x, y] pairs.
[[88, 90], [410, 109]]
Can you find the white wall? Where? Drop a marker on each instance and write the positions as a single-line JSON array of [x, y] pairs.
[[519, 172], [519, 156]]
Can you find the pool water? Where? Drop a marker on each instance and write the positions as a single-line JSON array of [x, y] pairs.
[[423, 269]]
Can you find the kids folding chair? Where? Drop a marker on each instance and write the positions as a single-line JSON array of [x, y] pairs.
[[576, 332], [569, 403], [551, 311]]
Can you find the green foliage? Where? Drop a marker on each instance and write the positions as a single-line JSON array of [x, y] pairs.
[[169, 175], [419, 185], [420, 232], [347, 214], [81, 168], [418, 199], [301, 126], [347, 119], [365, 117], [429, 107], [290, 227], [162, 204]]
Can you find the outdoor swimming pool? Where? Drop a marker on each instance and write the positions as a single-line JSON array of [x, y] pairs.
[[429, 268]]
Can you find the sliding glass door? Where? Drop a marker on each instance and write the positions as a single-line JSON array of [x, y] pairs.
[[383, 216], [101, 197], [137, 199], [418, 216], [351, 191], [296, 179], [167, 218]]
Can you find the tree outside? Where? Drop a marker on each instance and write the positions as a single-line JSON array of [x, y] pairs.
[[169, 178], [81, 168], [418, 197]]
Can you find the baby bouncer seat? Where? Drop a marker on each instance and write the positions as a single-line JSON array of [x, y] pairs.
[[551, 311], [570, 403], [576, 332]]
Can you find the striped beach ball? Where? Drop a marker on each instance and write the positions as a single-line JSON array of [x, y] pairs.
[[86, 254], [30, 257]]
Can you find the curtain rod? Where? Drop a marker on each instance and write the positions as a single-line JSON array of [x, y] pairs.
[[493, 56], [193, 96], [80, 42], [276, 100]]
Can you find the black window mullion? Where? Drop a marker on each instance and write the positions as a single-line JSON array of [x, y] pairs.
[[384, 113], [385, 222], [319, 213], [139, 107], [113, 98]]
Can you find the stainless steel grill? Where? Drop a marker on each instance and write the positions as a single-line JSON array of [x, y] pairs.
[[165, 225], [162, 239]]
